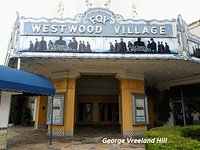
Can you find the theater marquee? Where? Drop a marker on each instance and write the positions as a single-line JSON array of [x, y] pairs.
[[98, 22]]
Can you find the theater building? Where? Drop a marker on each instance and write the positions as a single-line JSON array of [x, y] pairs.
[[100, 64]]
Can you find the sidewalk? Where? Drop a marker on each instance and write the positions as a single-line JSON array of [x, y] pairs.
[[27, 138]]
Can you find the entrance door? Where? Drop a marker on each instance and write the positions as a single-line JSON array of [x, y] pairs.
[[108, 113], [85, 112], [97, 110]]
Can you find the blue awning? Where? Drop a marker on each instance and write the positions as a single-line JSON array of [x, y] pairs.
[[22, 81]]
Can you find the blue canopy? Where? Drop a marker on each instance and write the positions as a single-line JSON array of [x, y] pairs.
[[22, 81]]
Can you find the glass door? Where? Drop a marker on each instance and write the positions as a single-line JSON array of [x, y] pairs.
[[108, 113], [85, 112]]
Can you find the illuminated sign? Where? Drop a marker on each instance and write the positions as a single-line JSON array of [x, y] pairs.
[[98, 22]]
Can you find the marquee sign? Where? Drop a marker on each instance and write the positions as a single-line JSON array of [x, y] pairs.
[[194, 45], [98, 22]]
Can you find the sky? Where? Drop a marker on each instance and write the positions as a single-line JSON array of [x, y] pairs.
[[148, 9]]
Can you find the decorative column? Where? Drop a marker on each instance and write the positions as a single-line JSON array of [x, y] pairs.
[[67, 86], [128, 87], [70, 107], [41, 112]]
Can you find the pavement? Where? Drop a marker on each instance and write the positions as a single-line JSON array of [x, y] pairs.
[[85, 138]]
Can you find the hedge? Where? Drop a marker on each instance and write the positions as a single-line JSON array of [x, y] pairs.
[[178, 138]]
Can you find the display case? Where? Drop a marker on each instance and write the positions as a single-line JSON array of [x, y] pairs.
[[140, 110]]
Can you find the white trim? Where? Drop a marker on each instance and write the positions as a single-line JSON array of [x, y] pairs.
[[28, 54]]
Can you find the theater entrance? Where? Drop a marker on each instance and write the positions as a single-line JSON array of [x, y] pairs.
[[97, 104]]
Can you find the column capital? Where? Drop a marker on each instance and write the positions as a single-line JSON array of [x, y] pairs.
[[65, 74], [74, 74]]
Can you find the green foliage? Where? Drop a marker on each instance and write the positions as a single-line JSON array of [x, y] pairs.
[[161, 102], [192, 131], [19, 114], [178, 138], [163, 106], [26, 117], [16, 111]]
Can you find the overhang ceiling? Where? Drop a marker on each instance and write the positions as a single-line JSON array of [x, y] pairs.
[[159, 72]]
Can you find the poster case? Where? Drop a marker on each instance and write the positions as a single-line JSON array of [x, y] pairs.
[[58, 109], [140, 110]]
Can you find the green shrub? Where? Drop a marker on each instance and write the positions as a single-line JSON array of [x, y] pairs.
[[161, 102], [179, 138], [26, 117], [16, 111], [192, 132]]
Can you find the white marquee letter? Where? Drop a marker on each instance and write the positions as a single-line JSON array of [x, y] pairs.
[[90, 29], [154, 30], [162, 30], [145, 30], [72, 28], [54, 29], [36, 28], [46, 28], [81, 29], [62, 28], [98, 29], [117, 29]]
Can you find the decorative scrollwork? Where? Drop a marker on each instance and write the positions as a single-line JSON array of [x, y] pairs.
[[91, 3]]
